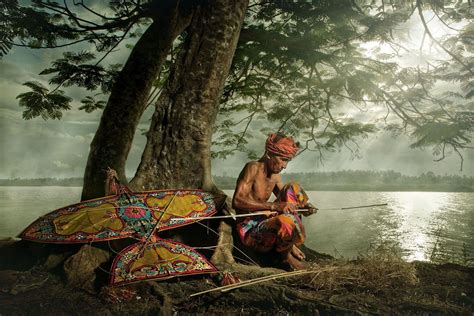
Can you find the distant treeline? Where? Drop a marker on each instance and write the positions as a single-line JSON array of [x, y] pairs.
[[64, 182], [352, 180], [347, 180]]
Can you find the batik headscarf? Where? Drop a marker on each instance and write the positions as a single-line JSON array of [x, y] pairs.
[[282, 146]]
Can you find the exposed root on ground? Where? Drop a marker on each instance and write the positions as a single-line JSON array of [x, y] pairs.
[[379, 282]]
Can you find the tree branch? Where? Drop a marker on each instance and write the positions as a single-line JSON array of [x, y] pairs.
[[420, 13], [65, 11], [445, 24], [100, 60], [47, 47]]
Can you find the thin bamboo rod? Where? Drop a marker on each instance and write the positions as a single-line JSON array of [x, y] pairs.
[[268, 213], [229, 287]]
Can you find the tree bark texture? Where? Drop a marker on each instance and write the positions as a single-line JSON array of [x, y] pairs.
[[127, 102], [177, 153]]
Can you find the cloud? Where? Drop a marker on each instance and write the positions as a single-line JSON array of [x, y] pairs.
[[61, 165], [40, 148]]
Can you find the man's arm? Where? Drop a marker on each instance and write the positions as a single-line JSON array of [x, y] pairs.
[[278, 186], [244, 200]]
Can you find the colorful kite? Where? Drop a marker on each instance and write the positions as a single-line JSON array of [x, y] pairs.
[[139, 215]]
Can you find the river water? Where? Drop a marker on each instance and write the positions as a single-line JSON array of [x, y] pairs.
[[428, 226]]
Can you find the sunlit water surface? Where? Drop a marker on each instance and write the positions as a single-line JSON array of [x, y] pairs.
[[432, 226]]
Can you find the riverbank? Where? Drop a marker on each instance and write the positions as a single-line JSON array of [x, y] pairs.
[[36, 280], [347, 180]]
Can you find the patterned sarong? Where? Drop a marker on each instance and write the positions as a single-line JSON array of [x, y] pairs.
[[279, 232]]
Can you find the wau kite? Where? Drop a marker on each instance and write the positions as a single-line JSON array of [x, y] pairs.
[[139, 215]]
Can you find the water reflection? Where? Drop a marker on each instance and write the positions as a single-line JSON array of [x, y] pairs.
[[19, 206], [415, 211], [435, 226]]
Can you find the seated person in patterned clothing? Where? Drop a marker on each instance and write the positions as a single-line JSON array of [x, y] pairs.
[[282, 230]]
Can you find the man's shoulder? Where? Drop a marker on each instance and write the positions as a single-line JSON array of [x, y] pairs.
[[253, 166], [253, 163]]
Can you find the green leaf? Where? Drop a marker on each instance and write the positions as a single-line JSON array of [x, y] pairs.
[[41, 102], [90, 104]]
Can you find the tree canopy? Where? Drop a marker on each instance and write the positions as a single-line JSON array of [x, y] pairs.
[[299, 65], [327, 72]]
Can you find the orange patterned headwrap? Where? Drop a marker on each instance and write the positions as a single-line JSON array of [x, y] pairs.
[[281, 146]]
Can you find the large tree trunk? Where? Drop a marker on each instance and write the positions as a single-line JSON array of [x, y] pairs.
[[127, 102], [177, 154]]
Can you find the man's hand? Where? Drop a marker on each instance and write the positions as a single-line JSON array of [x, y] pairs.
[[311, 209], [283, 207], [267, 213]]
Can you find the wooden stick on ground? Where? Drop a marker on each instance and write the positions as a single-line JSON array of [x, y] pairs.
[[229, 287]]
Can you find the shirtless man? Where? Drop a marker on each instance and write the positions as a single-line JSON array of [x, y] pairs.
[[282, 229]]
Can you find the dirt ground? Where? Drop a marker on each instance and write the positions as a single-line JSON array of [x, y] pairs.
[[36, 280]]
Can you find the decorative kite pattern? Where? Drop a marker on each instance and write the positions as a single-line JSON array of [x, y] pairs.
[[160, 259], [139, 215], [135, 214]]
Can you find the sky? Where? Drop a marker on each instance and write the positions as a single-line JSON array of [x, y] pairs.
[[59, 148]]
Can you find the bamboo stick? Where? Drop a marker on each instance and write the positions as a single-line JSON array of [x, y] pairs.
[[268, 213], [229, 287]]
